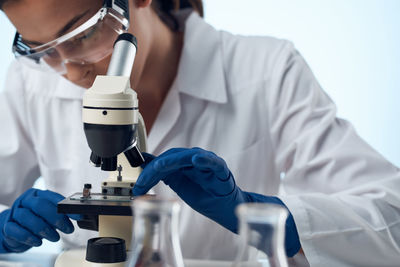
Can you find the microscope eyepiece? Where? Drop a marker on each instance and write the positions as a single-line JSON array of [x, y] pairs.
[[123, 56], [127, 37]]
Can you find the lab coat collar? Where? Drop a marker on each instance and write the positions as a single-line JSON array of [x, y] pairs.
[[200, 71]]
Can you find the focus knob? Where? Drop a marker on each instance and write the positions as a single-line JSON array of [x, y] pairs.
[[106, 250]]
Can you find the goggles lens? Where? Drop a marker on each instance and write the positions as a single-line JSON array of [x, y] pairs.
[[89, 43]]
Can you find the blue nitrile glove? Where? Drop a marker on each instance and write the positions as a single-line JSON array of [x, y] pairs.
[[205, 183], [32, 217]]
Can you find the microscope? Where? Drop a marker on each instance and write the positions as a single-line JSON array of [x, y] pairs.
[[116, 135]]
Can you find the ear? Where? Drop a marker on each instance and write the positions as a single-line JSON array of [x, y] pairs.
[[142, 3]]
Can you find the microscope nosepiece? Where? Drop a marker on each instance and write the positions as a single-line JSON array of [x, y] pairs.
[[95, 160], [109, 164], [134, 156]]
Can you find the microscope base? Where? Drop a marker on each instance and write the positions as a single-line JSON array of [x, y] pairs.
[[76, 258]]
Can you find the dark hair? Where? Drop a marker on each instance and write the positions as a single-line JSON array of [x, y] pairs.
[[165, 9], [2, 2], [166, 6]]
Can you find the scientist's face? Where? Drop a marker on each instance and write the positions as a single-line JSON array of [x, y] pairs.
[[41, 21]]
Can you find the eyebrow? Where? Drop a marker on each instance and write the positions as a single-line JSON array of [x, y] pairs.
[[63, 30]]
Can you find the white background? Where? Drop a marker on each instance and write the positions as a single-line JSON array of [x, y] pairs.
[[351, 45]]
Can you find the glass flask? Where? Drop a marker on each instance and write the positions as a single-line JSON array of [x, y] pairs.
[[262, 234], [155, 240]]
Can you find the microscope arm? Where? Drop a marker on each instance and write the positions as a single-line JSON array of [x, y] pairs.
[[142, 134], [128, 173]]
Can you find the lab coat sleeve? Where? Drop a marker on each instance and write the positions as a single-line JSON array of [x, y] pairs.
[[344, 196], [18, 164]]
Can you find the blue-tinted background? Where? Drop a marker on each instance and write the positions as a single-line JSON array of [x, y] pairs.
[[351, 45]]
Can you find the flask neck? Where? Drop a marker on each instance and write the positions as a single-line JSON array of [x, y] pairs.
[[262, 234], [159, 231], [156, 238], [260, 238]]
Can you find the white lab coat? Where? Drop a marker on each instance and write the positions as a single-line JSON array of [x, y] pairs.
[[254, 102]]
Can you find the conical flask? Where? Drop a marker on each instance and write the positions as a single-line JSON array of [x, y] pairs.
[[262, 234], [155, 233]]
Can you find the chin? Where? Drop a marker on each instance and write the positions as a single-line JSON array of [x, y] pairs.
[[85, 83]]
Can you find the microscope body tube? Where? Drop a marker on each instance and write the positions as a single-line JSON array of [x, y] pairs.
[[122, 59], [110, 111]]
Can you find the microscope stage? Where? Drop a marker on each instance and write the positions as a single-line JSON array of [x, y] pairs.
[[96, 204]]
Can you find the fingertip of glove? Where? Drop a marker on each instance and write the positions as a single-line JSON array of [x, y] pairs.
[[163, 165], [205, 161], [76, 217], [33, 241], [158, 165], [199, 159], [138, 190], [56, 239], [50, 235], [65, 226], [69, 230]]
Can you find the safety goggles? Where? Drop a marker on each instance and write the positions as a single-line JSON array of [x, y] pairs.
[[87, 44]]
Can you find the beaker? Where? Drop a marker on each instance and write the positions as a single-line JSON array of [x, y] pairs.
[[262, 235], [155, 239]]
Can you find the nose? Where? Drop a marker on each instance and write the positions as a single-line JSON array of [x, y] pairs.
[[75, 70], [79, 73]]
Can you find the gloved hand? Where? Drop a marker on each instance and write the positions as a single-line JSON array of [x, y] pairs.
[[32, 217], [204, 182]]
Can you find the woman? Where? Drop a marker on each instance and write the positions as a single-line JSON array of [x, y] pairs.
[[252, 101]]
